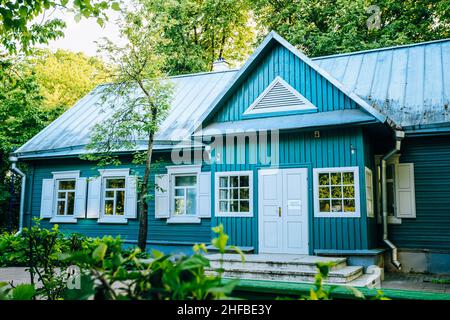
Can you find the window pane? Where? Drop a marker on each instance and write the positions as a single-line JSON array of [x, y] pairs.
[[191, 201], [349, 192], [179, 207], [109, 207], [185, 181], [109, 194], [390, 198], [244, 193], [336, 205], [336, 192], [324, 205], [223, 206], [324, 192], [61, 195], [179, 192], [234, 206], [67, 185], [324, 179], [60, 208], [234, 194], [245, 207], [349, 178], [115, 183], [244, 181], [335, 178], [234, 181], [349, 205], [390, 171], [223, 182], [223, 194], [120, 201], [70, 202]]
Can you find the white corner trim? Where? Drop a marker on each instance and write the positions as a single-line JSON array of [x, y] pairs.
[[184, 219], [66, 174], [114, 172], [118, 220], [61, 219], [317, 213], [219, 174], [305, 105]]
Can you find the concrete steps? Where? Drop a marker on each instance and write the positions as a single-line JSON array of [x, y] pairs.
[[291, 268]]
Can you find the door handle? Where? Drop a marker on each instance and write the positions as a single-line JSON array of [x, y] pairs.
[[279, 211]]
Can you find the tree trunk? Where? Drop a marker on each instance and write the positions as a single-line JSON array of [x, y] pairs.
[[143, 205]]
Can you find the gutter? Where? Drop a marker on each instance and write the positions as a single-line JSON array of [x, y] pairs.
[[398, 135], [17, 171]]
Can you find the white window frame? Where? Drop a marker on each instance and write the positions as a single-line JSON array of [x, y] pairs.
[[394, 161], [218, 175], [62, 176], [370, 206], [109, 174], [183, 170], [66, 198], [317, 213]]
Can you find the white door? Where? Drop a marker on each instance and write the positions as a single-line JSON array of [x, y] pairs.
[[283, 211]]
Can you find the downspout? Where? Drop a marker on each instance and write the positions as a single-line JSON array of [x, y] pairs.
[[399, 135], [17, 171]]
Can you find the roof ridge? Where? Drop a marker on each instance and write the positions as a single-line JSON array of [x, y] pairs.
[[397, 47]]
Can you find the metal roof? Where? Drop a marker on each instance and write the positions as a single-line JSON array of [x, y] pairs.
[[409, 84], [70, 132]]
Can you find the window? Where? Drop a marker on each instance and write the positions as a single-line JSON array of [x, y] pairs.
[[234, 194], [336, 192], [114, 196], [369, 193], [185, 195], [65, 201]]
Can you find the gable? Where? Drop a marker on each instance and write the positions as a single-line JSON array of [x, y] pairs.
[[279, 96], [277, 58]]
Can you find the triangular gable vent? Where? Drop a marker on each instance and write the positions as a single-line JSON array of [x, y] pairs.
[[279, 96]]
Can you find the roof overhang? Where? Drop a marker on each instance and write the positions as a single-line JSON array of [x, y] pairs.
[[289, 122]]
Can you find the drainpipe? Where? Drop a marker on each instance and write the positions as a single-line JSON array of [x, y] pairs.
[[399, 135], [17, 171]]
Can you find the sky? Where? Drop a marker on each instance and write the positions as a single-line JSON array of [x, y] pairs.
[[82, 35]]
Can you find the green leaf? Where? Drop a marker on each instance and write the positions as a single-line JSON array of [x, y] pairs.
[[99, 252], [23, 292], [115, 6]]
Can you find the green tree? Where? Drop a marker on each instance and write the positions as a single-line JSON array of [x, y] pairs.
[[139, 99], [195, 33], [64, 76], [20, 27], [322, 27], [21, 116]]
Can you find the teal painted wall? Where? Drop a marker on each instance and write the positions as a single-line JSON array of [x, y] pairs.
[[301, 149], [431, 227], [281, 62], [159, 232]]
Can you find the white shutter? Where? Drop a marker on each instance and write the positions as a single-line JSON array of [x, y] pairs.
[[48, 190], [80, 198], [93, 203], [204, 195], [162, 196], [369, 193], [405, 191], [131, 197]]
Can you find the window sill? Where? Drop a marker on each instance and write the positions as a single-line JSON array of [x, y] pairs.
[[394, 220], [234, 215], [116, 220], [63, 220], [184, 220], [337, 215]]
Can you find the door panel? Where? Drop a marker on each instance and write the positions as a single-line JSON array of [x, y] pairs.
[[284, 189]]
